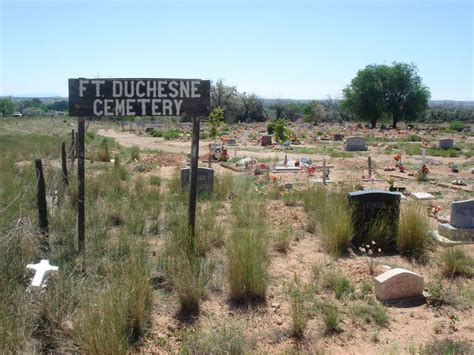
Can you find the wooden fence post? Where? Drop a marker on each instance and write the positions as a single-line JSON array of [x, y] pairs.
[[64, 164], [42, 206]]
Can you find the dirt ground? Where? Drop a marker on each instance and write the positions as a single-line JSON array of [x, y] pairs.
[[268, 325]]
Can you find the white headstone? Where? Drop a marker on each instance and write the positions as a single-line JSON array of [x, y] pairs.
[[397, 284], [422, 196]]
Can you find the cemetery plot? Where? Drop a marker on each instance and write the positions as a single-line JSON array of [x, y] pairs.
[[280, 262]]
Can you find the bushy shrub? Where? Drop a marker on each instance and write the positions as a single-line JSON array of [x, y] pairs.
[[134, 153], [457, 126], [172, 133], [156, 133]]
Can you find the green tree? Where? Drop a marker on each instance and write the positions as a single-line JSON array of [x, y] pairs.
[[214, 121], [251, 108], [5, 107], [58, 105], [225, 97], [406, 98], [364, 97], [279, 130], [396, 91]]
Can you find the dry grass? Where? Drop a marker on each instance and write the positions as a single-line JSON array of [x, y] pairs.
[[413, 230], [454, 261], [247, 252], [329, 211]]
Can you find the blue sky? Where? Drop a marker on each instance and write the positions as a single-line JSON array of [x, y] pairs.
[[282, 49]]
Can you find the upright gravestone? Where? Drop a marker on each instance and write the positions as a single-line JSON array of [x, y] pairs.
[[461, 227], [376, 215], [446, 143], [205, 180], [397, 284], [266, 140], [354, 144]]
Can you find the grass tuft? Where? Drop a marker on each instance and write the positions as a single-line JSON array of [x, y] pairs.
[[456, 262], [247, 252], [412, 238]]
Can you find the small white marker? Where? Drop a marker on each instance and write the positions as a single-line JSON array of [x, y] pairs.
[[42, 269]]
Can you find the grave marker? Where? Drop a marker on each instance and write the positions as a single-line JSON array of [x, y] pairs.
[[325, 170], [462, 214], [398, 283], [205, 180], [43, 269], [369, 162], [371, 208], [446, 143], [266, 140], [354, 144], [461, 226]]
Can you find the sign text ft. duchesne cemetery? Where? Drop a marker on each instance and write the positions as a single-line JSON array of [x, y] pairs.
[[139, 97]]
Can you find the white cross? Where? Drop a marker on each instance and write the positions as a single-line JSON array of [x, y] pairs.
[[423, 152], [42, 269]]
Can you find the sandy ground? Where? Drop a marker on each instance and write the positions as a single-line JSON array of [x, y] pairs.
[[269, 324]]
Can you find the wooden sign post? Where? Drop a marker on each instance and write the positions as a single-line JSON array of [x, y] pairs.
[[193, 173], [137, 97], [81, 187]]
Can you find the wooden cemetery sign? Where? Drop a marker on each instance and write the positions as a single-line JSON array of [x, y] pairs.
[[138, 97]]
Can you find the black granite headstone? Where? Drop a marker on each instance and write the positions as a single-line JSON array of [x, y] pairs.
[[376, 215], [266, 140]]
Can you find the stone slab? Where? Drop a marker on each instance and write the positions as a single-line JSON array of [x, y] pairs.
[[457, 234], [422, 196], [445, 242], [398, 283]]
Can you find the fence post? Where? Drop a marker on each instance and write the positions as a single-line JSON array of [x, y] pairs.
[[64, 164], [42, 206]]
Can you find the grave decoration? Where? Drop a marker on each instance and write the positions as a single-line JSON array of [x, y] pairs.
[[375, 217], [461, 226], [42, 270], [205, 180], [397, 284]]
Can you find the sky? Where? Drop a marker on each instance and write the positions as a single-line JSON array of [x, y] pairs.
[[275, 49]]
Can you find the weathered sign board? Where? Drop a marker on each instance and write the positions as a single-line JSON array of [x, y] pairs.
[[138, 97]]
